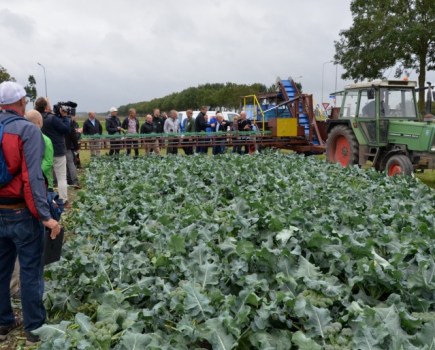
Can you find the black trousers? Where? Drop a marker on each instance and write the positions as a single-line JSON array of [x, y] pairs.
[[132, 144]]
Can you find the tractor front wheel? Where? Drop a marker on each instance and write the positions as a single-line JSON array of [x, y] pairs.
[[342, 146], [399, 165]]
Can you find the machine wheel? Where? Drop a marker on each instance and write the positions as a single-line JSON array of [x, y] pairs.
[[342, 146], [399, 165]]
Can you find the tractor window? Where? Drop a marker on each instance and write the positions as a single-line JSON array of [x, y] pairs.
[[398, 103], [367, 104], [350, 104]]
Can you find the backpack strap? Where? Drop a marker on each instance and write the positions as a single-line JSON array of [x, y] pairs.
[[5, 176], [9, 119], [6, 121]]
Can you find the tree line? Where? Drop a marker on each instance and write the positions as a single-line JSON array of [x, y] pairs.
[[215, 96]]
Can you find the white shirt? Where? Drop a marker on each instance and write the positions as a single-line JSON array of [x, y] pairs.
[[171, 126]]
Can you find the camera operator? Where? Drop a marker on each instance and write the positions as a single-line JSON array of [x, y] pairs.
[[56, 126]]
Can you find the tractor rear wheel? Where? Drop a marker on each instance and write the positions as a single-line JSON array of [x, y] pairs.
[[399, 165], [342, 146]]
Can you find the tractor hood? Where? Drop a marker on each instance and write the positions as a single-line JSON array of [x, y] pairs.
[[418, 136]]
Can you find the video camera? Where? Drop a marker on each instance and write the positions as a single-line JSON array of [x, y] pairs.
[[68, 107]]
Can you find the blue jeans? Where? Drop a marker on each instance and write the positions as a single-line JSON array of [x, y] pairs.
[[22, 234]]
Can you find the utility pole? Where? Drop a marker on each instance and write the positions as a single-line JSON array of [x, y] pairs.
[[45, 79], [323, 75]]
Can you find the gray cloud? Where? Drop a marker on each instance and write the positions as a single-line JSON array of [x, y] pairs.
[[21, 26]]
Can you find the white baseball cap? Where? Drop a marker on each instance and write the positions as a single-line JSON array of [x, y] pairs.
[[11, 92], [113, 109]]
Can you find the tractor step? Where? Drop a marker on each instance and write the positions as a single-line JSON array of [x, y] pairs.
[[371, 154]]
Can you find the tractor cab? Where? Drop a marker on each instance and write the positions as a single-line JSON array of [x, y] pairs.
[[373, 105]]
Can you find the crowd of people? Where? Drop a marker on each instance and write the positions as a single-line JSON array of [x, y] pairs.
[[159, 123]]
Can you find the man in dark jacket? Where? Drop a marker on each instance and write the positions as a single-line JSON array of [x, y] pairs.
[[55, 127], [24, 212], [221, 125], [92, 126], [189, 127], [113, 127], [158, 120], [160, 123], [149, 127], [201, 125], [245, 125]]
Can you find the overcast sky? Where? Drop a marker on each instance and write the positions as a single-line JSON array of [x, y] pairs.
[[109, 53]]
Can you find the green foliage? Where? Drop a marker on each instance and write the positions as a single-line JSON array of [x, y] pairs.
[[31, 91], [212, 95], [269, 251], [4, 75], [385, 34]]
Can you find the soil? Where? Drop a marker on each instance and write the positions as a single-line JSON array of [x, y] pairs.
[[16, 339]]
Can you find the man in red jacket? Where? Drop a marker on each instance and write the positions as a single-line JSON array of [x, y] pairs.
[[24, 212]]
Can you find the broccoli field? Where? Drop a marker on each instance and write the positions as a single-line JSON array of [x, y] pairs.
[[269, 251]]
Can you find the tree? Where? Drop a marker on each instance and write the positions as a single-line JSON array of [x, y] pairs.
[[31, 89], [299, 86], [386, 34], [4, 75]]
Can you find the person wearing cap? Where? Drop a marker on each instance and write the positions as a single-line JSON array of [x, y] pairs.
[[47, 169], [24, 211], [113, 127], [56, 126]]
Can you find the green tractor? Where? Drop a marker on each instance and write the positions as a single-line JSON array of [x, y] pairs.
[[378, 123]]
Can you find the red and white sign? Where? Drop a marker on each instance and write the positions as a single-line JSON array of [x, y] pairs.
[[325, 105]]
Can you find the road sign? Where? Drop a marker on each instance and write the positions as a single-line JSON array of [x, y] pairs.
[[325, 105]]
